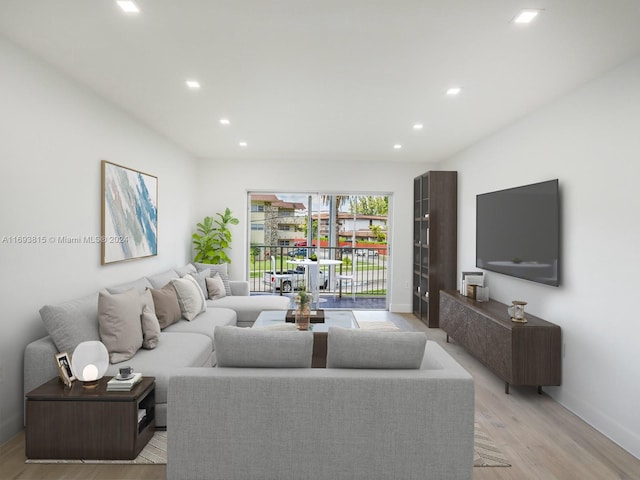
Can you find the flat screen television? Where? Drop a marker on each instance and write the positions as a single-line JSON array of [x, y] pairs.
[[518, 232]]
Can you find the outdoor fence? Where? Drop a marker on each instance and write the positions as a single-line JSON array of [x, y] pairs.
[[367, 267]]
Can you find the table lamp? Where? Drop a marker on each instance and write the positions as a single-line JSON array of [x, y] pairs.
[[89, 362]]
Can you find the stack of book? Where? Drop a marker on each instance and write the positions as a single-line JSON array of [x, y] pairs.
[[118, 384]]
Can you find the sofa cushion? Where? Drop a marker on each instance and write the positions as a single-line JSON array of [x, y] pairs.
[[166, 305], [215, 287], [119, 323], [72, 322], [354, 348], [247, 347], [159, 280], [140, 285], [174, 350], [186, 270], [190, 297], [205, 323], [248, 308]]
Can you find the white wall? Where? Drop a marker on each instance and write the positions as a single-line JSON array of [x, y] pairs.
[[53, 136], [590, 141], [226, 184]]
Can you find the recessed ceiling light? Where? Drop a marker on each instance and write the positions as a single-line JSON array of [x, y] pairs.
[[128, 6], [193, 84], [454, 91], [242, 144], [224, 121], [526, 16], [418, 126], [397, 146]]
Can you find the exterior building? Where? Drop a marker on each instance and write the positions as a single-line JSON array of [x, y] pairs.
[[274, 221]]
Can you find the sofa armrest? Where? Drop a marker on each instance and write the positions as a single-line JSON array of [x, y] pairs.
[[39, 363], [239, 288]]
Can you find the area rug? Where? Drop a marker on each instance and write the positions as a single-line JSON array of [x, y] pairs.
[[155, 452], [485, 452], [382, 326]]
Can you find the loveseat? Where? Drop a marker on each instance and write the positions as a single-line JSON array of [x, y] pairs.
[[180, 344], [263, 413]]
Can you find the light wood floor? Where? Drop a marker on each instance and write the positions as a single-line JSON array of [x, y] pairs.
[[541, 439]]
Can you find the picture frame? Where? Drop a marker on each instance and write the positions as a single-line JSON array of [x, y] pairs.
[[129, 214], [63, 362]]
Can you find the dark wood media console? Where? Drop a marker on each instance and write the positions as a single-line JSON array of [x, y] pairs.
[[522, 354]]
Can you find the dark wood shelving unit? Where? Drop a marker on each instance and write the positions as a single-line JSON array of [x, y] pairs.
[[435, 241]]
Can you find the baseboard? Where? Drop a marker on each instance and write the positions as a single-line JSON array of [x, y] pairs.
[[400, 307]]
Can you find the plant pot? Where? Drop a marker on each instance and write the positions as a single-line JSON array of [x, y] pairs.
[[302, 317]]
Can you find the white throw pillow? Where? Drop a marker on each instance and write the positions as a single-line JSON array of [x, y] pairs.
[[190, 297]]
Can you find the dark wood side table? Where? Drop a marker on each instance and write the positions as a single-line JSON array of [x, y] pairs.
[[76, 423]]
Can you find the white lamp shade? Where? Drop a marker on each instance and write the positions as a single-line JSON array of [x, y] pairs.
[[89, 361]]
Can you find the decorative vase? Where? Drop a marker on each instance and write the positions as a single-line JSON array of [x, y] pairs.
[[302, 317]]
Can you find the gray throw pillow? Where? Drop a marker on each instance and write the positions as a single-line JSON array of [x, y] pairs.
[[248, 347], [186, 270], [165, 302], [201, 277], [119, 323], [150, 328], [72, 322], [159, 280], [355, 348]]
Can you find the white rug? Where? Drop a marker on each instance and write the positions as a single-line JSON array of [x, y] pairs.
[[382, 326], [155, 452], [485, 452]]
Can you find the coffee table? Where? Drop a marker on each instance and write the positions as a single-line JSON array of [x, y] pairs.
[[332, 318]]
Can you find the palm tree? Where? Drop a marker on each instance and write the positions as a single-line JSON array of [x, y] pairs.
[[336, 201]]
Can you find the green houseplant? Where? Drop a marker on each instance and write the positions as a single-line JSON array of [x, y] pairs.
[[213, 237]]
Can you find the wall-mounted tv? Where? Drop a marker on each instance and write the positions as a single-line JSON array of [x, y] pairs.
[[518, 232]]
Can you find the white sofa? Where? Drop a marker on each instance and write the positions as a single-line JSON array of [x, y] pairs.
[[181, 344], [346, 422]]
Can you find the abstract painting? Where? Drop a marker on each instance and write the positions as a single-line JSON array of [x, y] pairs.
[[129, 214]]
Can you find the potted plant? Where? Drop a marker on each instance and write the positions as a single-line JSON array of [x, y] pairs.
[[213, 237], [303, 309]]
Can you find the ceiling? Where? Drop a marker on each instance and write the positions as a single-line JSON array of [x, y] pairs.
[[327, 79]]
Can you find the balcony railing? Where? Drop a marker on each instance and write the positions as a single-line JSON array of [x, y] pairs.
[[366, 265]]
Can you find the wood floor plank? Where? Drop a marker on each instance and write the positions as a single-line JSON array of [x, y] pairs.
[[541, 439]]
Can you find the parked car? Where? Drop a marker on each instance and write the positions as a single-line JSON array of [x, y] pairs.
[[298, 252], [363, 252], [297, 281]]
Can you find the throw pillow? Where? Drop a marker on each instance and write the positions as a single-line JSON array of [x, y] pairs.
[[190, 297], [200, 277], [215, 287], [119, 324], [150, 328], [354, 348], [221, 269], [186, 270], [72, 322], [264, 348], [159, 280], [165, 302]]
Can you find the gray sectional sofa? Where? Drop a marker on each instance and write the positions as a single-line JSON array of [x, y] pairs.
[[181, 344], [350, 421]]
